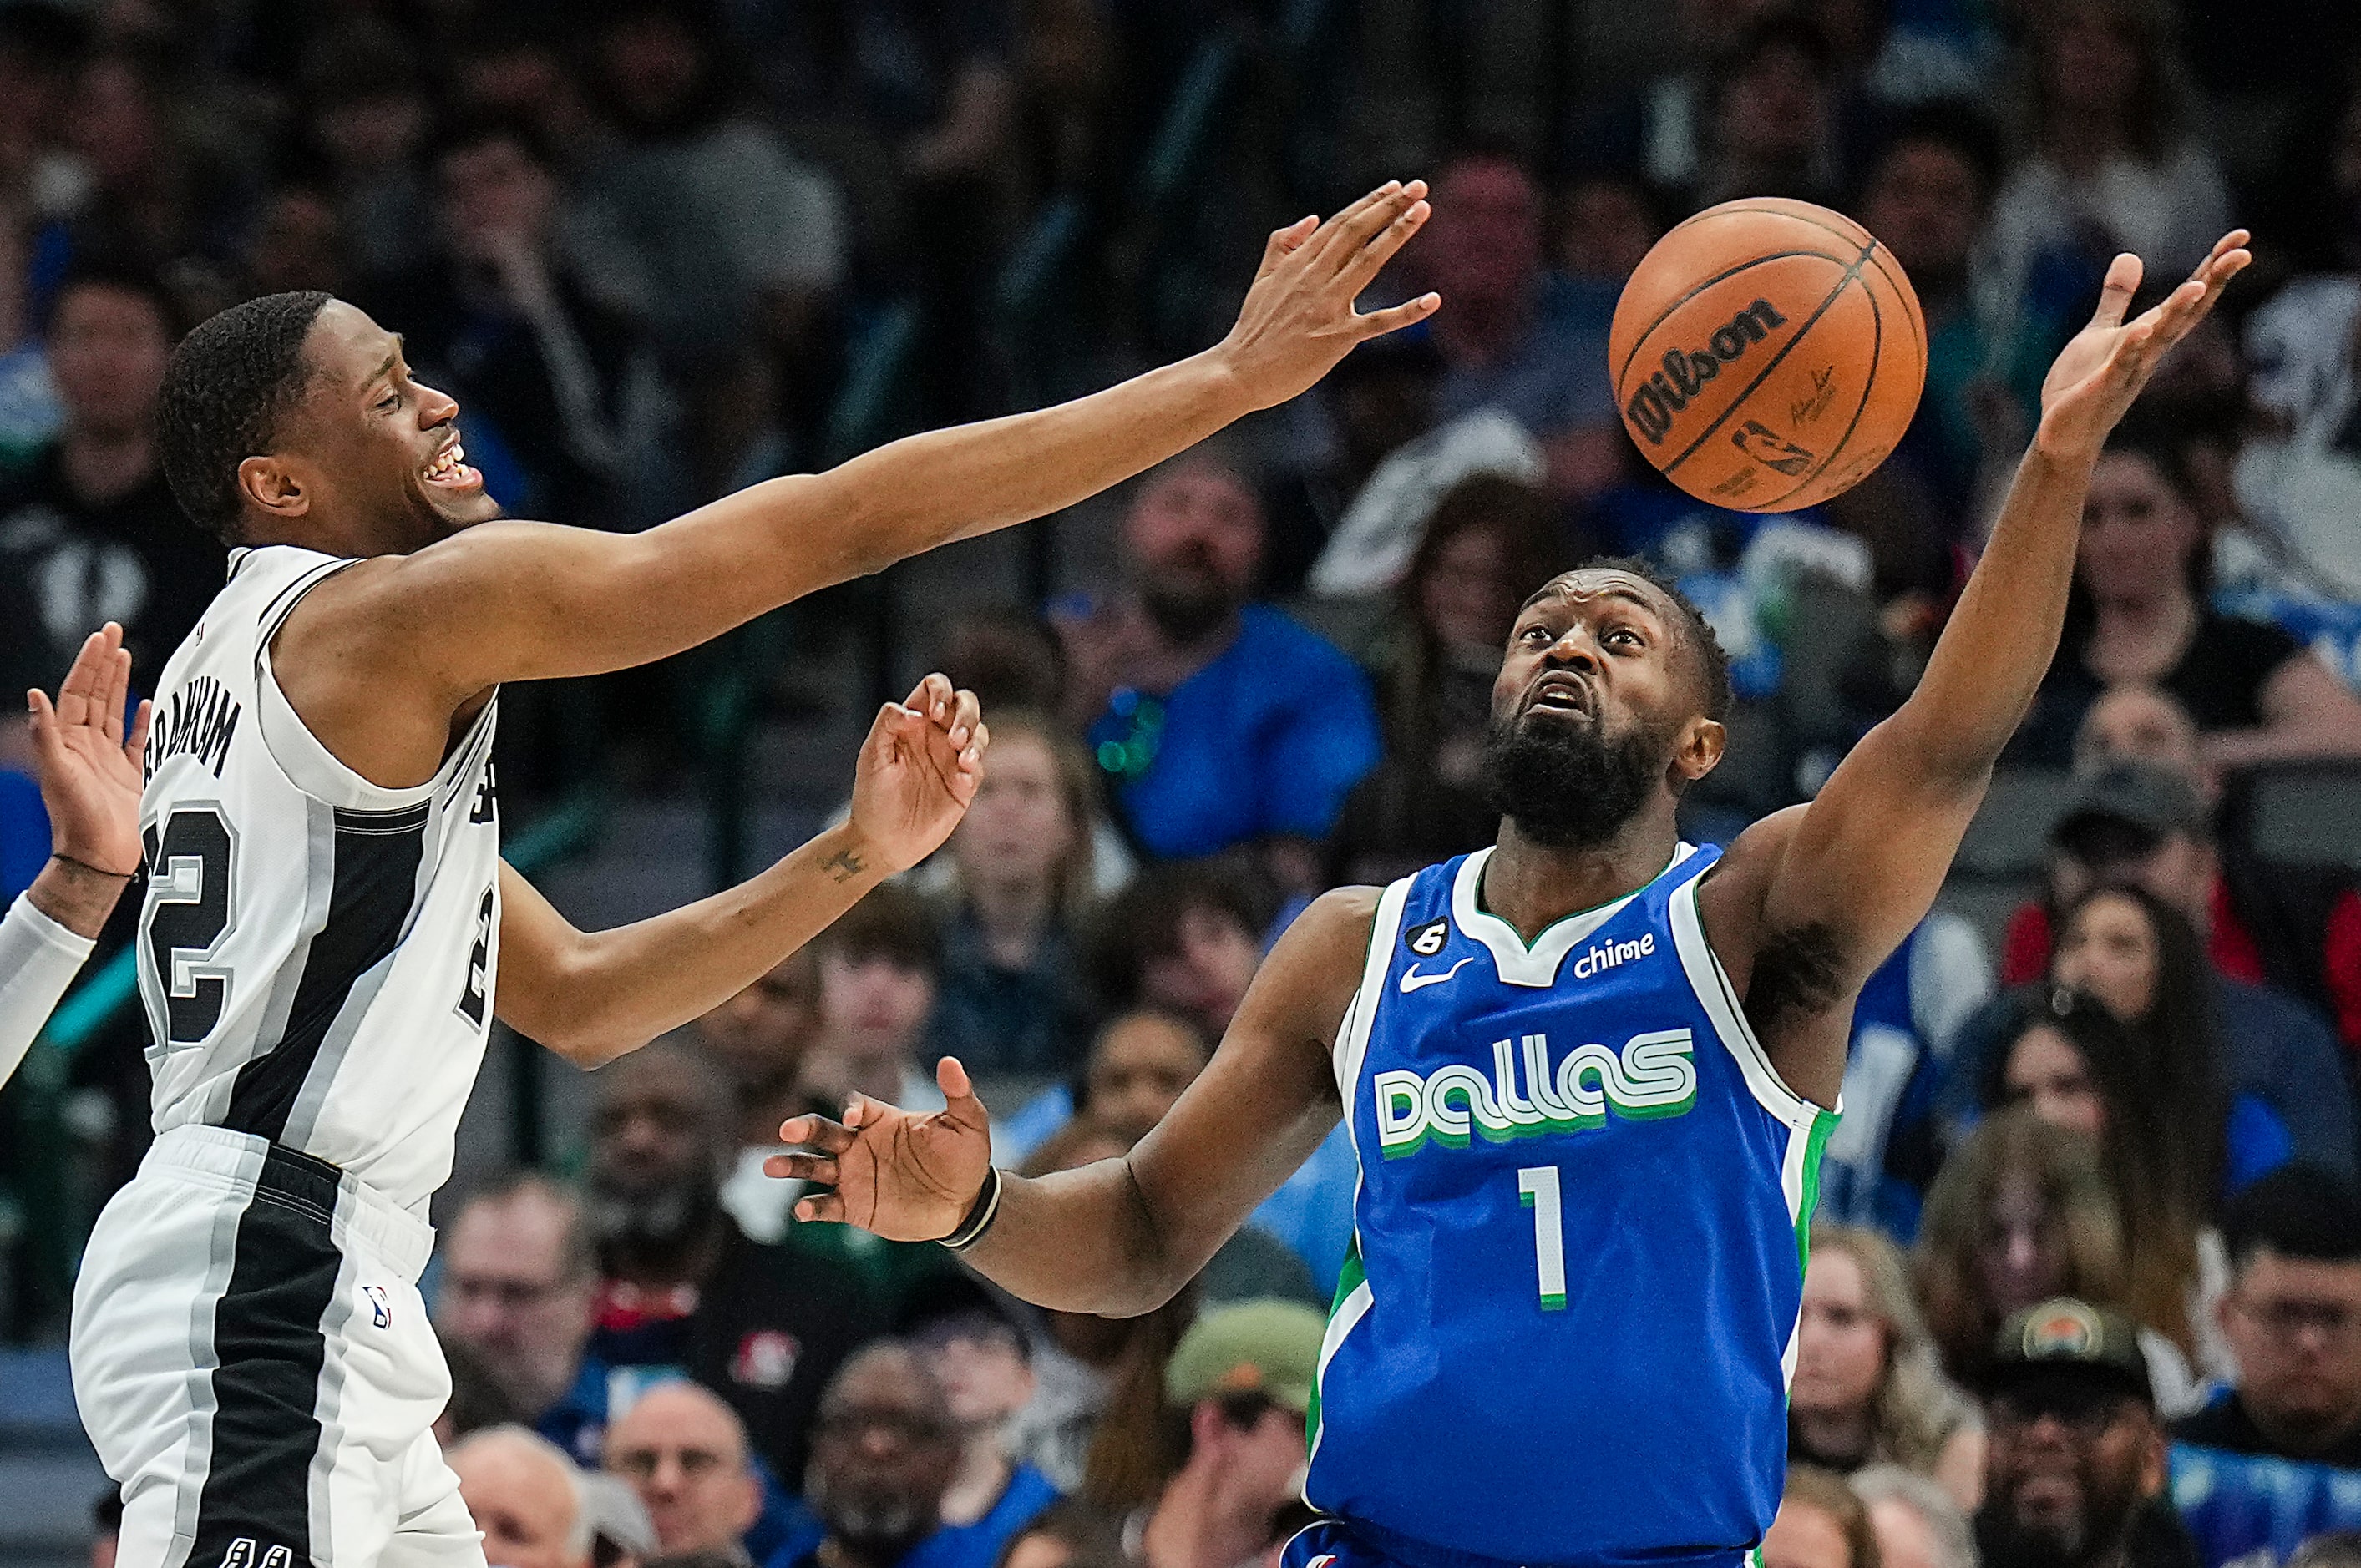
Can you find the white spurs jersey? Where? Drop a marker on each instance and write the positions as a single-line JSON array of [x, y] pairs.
[[316, 953]]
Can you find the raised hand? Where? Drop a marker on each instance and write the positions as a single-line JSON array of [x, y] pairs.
[[1298, 319], [908, 1178], [2098, 374], [917, 771], [90, 770]]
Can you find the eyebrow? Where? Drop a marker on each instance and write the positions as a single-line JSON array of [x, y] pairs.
[[1613, 592], [383, 371]]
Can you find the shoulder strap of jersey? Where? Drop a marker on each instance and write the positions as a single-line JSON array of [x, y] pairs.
[[1361, 1013]]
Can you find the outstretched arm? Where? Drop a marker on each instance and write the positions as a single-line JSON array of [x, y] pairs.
[[1817, 896], [379, 658], [1119, 1237], [592, 997]]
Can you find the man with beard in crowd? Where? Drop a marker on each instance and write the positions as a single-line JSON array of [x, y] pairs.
[[682, 1287], [883, 1453], [1218, 721], [2074, 1474], [1588, 1071]]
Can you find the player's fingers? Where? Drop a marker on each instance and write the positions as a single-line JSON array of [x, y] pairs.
[[1362, 267], [1367, 224], [958, 1093], [934, 697], [815, 1132], [802, 1168], [1377, 324], [43, 716], [2115, 293], [825, 1207], [134, 748], [972, 760], [1285, 242], [118, 693], [79, 691], [967, 713], [1324, 240]]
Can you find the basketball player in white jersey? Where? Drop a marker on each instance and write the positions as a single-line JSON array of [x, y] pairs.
[[90, 784], [329, 931]]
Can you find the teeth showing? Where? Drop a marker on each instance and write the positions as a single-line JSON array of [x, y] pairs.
[[447, 465]]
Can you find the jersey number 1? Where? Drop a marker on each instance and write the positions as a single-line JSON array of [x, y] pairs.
[[1537, 1190]]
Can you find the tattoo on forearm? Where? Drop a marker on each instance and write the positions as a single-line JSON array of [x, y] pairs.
[[844, 863]]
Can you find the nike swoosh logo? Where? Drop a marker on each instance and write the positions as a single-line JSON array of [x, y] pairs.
[[1414, 980]]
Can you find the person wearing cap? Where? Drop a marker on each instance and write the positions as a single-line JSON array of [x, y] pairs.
[[2074, 1472], [2145, 831], [2151, 822], [1243, 1375]]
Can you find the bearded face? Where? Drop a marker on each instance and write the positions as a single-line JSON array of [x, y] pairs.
[[1568, 785]]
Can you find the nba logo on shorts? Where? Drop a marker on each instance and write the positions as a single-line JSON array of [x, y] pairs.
[[380, 1315]]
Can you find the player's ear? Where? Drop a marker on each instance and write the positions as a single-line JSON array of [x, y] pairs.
[[1701, 748], [270, 483]]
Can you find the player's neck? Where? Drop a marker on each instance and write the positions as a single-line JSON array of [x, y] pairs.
[[1532, 885]]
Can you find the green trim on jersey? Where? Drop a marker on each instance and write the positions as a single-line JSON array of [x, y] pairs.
[[1815, 1144], [1349, 1279]]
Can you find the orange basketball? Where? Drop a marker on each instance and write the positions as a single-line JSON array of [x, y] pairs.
[[1768, 354]]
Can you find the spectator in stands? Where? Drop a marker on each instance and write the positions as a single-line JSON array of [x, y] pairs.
[[1072, 1534], [2020, 1213], [1087, 1367], [722, 237], [160, 184], [1820, 1524], [1927, 194], [2168, 1149], [88, 531], [364, 117], [1771, 119], [880, 973], [1503, 344], [759, 1038], [883, 1452], [1185, 937], [477, 1401], [683, 1452], [2141, 960], [1916, 1523], [2146, 726], [519, 1289], [2292, 1315], [2076, 1474], [2150, 822], [2138, 614], [1868, 1388], [2114, 164], [1220, 722], [1137, 1066], [1374, 413], [972, 1343], [1241, 1379], [1489, 541], [1012, 998], [525, 1496], [563, 408], [29, 410], [764, 1326]]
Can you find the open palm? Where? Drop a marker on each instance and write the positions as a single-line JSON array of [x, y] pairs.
[[908, 1177], [90, 770], [917, 771], [2103, 370]]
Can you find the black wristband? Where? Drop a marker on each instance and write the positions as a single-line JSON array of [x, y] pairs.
[[86, 866], [979, 1215]]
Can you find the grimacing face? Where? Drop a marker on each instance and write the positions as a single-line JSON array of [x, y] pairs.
[[370, 446]]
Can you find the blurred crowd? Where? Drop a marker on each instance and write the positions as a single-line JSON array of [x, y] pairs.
[[2086, 1289]]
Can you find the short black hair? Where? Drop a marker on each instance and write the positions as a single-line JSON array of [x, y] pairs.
[[125, 277], [474, 127], [225, 392], [2297, 1210], [1959, 128], [1719, 695], [893, 924]]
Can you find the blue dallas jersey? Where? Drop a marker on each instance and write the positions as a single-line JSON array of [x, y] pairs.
[[1565, 1332]]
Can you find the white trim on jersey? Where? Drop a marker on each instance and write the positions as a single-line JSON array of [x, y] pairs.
[[1534, 967], [1719, 1000], [1341, 1321], [1361, 1013]]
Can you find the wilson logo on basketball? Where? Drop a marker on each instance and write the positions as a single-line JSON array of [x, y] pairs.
[[1668, 391]]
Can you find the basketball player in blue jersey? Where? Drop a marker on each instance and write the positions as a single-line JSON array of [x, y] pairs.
[[1588, 1071]]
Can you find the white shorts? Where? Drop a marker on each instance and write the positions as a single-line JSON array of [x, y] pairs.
[[255, 1366]]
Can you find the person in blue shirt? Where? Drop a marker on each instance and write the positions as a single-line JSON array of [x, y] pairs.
[[1219, 722], [1588, 1071]]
